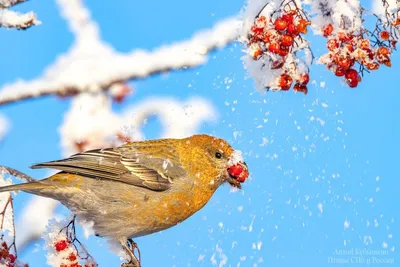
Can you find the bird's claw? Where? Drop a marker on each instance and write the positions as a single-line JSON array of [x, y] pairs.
[[131, 246]]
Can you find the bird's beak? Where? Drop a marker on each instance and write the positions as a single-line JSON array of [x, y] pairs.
[[238, 173]]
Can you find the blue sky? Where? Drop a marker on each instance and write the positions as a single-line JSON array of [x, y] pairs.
[[344, 159]]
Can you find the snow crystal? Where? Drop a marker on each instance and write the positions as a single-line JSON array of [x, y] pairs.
[[236, 157], [346, 224], [320, 207]]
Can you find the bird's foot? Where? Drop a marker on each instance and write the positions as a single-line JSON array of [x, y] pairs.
[[128, 264], [130, 247]]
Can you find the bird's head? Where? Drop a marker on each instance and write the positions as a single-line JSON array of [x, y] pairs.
[[219, 159]]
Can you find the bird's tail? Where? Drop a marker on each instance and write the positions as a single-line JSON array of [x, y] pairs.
[[23, 187], [31, 184]]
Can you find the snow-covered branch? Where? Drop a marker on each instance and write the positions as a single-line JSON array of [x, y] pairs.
[[68, 74], [16, 20]]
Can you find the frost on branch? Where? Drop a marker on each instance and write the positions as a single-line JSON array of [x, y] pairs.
[[8, 251], [63, 247], [274, 39], [278, 53], [16, 20], [69, 73]]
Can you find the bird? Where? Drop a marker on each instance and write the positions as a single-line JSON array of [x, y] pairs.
[[142, 187]]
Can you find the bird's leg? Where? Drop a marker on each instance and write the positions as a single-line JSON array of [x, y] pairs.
[[134, 247], [130, 246]]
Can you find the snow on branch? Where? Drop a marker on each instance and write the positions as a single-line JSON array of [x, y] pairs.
[[69, 73], [16, 20]]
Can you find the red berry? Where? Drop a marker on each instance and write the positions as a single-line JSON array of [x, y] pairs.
[[352, 78], [72, 257], [12, 258], [261, 21], [257, 53], [372, 66], [396, 22], [292, 30], [383, 56], [364, 44], [304, 79], [343, 37], [287, 40], [345, 63], [238, 172], [267, 37], [285, 82], [274, 48], [256, 30], [288, 17], [384, 35], [332, 44], [327, 30], [283, 51], [300, 88], [280, 24], [384, 51], [61, 245], [350, 48], [340, 72], [302, 25]]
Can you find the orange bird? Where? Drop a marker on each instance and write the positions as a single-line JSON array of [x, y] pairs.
[[141, 187]]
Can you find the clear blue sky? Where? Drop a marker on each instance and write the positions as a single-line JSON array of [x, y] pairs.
[[333, 160]]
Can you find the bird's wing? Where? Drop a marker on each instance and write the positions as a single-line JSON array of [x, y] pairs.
[[134, 166]]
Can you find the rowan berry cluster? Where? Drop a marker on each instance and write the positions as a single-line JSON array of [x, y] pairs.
[[7, 258], [368, 50], [69, 255], [278, 33], [276, 41]]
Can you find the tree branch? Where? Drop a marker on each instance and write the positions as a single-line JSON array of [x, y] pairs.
[[16, 20], [69, 74]]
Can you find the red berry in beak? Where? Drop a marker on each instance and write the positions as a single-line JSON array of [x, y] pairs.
[[239, 172]]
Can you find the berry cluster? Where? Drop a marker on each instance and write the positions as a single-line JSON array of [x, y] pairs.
[[69, 255], [7, 258], [348, 48], [276, 41]]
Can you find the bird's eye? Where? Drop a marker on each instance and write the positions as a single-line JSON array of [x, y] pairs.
[[218, 155]]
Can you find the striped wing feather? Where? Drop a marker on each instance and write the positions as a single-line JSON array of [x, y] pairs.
[[130, 166]]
